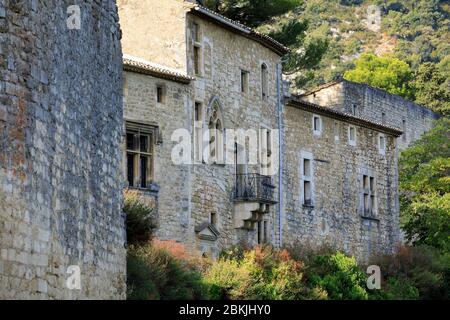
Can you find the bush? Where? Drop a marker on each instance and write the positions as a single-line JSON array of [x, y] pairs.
[[153, 273], [338, 275], [140, 221], [414, 273], [262, 273]]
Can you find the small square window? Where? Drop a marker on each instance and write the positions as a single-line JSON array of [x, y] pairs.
[[317, 124]]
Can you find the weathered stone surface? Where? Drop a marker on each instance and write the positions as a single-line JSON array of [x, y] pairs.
[[60, 124], [378, 106], [336, 216]]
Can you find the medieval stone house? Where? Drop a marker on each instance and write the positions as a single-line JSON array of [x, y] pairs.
[[335, 178]]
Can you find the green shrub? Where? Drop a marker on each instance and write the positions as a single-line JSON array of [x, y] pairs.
[[338, 275], [154, 274], [262, 273], [140, 221], [422, 268]]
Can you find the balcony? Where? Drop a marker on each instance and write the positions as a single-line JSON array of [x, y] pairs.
[[253, 196], [253, 187]]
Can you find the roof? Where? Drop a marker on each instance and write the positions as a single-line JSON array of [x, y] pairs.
[[239, 28], [135, 64], [332, 83], [297, 102]]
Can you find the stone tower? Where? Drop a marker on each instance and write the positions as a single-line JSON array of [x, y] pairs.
[[61, 224]]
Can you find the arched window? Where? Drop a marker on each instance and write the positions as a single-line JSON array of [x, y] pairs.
[[215, 133], [264, 81]]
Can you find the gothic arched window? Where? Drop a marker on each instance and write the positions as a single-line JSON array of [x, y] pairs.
[[215, 133]]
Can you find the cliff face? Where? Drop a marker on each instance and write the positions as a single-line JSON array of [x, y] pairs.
[[60, 129]]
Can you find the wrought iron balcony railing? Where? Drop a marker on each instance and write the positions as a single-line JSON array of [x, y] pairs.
[[254, 187]]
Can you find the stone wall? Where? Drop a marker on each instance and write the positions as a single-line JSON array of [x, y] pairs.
[[60, 129], [155, 30], [189, 194], [336, 216], [171, 190], [372, 103]]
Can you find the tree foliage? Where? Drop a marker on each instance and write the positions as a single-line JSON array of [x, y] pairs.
[[432, 87], [425, 188], [388, 73]]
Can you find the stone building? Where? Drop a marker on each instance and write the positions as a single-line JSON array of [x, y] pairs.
[[237, 86], [340, 180], [60, 132], [334, 174], [375, 105]]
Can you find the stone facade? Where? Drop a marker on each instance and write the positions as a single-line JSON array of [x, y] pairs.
[[60, 129], [351, 188], [336, 215], [189, 195], [376, 105]]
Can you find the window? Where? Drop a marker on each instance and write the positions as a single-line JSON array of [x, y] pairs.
[[196, 32], [306, 183], [352, 135], [383, 118], [264, 81], [336, 131], [266, 151], [197, 60], [382, 144], [139, 149], [198, 132], [215, 134], [317, 125], [196, 37], [368, 195], [244, 81], [354, 109], [213, 219], [160, 94]]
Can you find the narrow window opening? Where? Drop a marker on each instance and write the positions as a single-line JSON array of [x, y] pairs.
[[160, 94], [264, 81], [244, 81], [197, 60]]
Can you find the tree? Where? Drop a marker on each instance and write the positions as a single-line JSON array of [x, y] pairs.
[[388, 73], [432, 86], [252, 12], [425, 188]]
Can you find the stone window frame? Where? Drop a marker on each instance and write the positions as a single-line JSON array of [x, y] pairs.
[[140, 129], [161, 93], [368, 190], [317, 132], [306, 155], [215, 125], [352, 142], [266, 146], [197, 49], [199, 125], [336, 131], [244, 81], [382, 148]]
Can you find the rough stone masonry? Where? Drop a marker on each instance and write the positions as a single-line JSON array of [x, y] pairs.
[[60, 129]]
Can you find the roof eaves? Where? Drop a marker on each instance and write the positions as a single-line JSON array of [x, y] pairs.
[[133, 65], [295, 101], [244, 30]]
